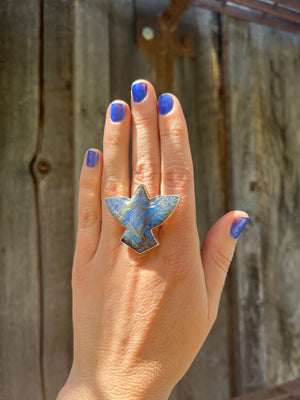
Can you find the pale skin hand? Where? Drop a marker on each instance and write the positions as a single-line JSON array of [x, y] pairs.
[[140, 319]]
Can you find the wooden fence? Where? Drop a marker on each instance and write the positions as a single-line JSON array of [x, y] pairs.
[[61, 63]]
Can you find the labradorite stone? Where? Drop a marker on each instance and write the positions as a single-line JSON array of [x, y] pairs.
[[139, 215]]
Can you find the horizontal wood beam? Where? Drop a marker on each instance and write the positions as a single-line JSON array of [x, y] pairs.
[[278, 10], [248, 15], [295, 4]]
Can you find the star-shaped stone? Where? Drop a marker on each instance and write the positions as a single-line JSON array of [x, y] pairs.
[[139, 215]]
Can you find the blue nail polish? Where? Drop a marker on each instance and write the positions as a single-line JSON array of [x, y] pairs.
[[92, 158], [117, 112], [165, 103], [139, 91], [237, 226]]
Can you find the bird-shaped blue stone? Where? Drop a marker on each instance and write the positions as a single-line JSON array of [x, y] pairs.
[[139, 215]]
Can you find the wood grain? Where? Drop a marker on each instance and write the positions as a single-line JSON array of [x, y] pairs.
[[20, 315], [246, 284], [129, 62], [265, 92], [56, 194], [276, 104], [197, 83], [91, 78]]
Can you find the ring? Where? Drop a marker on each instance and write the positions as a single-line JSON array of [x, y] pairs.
[[139, 215]]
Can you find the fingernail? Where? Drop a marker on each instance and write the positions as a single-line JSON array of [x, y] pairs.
[[139, 91], [237, 226], [92, 158], [165, 103], [117, 112]]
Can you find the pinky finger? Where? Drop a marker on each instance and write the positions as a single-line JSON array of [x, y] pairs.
[[89, 208]]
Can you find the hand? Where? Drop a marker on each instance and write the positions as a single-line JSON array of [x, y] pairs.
[[140, 319]]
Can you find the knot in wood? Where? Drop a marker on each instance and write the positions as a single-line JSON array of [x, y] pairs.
[[43, 167], [253, 186]]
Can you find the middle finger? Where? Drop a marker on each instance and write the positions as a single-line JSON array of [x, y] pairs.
[[145, 138]]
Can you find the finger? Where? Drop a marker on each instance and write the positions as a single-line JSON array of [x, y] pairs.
[[177, 176], [89, 207], [217, 252], [115, 177], [145, 139]]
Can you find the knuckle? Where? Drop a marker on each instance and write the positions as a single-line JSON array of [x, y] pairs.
[[179, 175], [111, 139], [175, 131], [179, 270], [143, 121], [88, 217], [112, 187], [145, 171], [221, 260], [87, 184], [89, 191]]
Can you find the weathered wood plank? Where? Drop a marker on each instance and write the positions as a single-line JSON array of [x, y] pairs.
[[246, 279], [56, 194], [20, 376], [197, 83], [201, 74], [91, 77], [128, 62], [276, 105], [265, 91]]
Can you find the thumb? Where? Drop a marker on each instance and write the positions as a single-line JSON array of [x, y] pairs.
[[217, 252]]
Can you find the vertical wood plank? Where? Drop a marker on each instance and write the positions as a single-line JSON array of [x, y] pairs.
[[55, 193], [197, 105], [127, 61], [264, 88], [91, 78], [197, 84], [276, 105], [247, 281], [20, 312]]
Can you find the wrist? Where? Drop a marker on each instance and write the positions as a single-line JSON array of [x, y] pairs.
[[84, 393], [116, 389]]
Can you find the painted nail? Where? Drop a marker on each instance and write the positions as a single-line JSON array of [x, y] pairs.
[[117, 112], [92, 158], [165, 103], [237, 226], [139, 91]]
